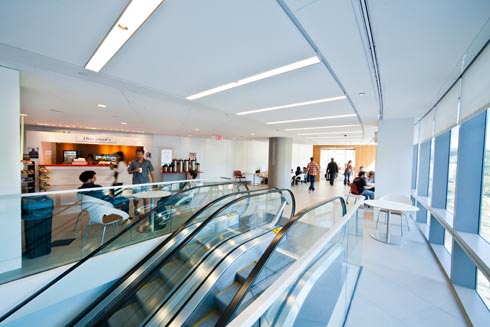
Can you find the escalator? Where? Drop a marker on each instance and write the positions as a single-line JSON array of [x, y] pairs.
[[226, 263], [212, 260], [206, 197]]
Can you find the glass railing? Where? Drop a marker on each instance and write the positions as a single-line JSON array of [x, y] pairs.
[[176, 275], [62, 214], [308, 274]]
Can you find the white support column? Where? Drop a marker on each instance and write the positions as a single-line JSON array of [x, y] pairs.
[[394, 157], [280, 154], [10, 222]]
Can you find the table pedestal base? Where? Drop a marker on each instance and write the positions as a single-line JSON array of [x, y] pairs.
[[391, 239]]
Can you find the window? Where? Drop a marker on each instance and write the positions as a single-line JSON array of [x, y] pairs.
[[453, 163], [485, 201], [483, 288], [448, 242], [431, 167]]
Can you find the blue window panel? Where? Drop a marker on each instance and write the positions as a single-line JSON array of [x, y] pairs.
[[441, 170], [424, 166], [436, 231], [463, 270], [421, 214], [469, 177], [415, 153]]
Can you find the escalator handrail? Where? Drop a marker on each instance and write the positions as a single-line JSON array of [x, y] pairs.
[[95, 252], [209, 220], [107, 312], [161, 245], [264, 259]]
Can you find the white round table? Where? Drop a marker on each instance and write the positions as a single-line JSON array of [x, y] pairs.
[[389, 206], [152, 195]]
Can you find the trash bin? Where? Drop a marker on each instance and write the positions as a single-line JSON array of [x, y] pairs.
[[37, 213]]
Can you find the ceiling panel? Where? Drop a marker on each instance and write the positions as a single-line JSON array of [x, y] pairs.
[[191, 46], [68, 31], [419, 44], [306, 84]]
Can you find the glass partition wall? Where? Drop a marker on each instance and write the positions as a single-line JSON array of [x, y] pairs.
[[64, 226]]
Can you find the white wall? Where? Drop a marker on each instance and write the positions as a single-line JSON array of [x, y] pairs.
[[301, 155], [394, 157], [10, 223]]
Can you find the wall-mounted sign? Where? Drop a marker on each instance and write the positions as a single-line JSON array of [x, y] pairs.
[[96, 139], [219, 137], [166, 157]]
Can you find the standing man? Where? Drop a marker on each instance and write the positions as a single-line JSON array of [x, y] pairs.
[[142, 171], [313, 169], [332, 170]]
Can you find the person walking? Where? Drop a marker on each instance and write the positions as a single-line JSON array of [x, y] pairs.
[[313, 169], [142, 171], [347, 173], [332, 170]]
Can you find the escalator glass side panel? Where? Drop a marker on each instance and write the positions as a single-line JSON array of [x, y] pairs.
[[295, 238], [173, 269]]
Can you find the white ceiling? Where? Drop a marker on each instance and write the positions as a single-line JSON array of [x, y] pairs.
[[190, 46]]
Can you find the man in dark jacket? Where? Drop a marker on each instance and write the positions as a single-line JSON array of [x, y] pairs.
[[88, 179], [332, 171]]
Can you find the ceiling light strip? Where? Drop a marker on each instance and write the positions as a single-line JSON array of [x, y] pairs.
[[292, 105], [135, 14], [270, 73], [309, 119], [324, 133], [320, 127]]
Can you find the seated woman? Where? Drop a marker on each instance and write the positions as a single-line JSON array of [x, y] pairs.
[[370, 180], [88, 179], [362, 186]]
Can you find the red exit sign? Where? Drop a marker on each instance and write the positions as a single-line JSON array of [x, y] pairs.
[[219, 137]]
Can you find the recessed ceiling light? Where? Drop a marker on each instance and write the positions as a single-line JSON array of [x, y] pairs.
[[55, 110], [292, 105], [101, 105], [258, 77], [339, 132], [135, 14], [252, 134], [196, 129], [321, 127], [309, 119], [332, 137], [362, 93], [124, 123]]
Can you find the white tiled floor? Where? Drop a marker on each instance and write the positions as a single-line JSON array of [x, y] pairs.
[[399, 285]]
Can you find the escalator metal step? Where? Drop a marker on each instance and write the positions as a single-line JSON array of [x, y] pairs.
[[209, 320], [151, 294], [172, 272], [242, 274], [129, 315], [224, 297]]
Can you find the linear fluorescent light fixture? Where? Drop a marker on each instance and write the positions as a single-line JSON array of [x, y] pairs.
[[324, 133], [135, 14], [292, 105], [333, 137], [258, 77], [309, 119], [320, 127]]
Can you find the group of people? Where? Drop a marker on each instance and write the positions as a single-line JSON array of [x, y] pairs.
[[140, 168]]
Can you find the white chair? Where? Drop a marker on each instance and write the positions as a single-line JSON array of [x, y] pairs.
[[101, 212], [395, 198]]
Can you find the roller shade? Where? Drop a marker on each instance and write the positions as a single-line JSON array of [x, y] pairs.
[[427, 127], [446, 115], [475, 93]]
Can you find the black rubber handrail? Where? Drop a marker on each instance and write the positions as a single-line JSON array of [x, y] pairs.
[[243, 291], [107, 312], [184, 225], [95, 252]]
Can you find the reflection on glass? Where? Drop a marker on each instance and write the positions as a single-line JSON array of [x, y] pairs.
[[483, 288], [453, 164], [485, 199], [448, 242], [431, 168]]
